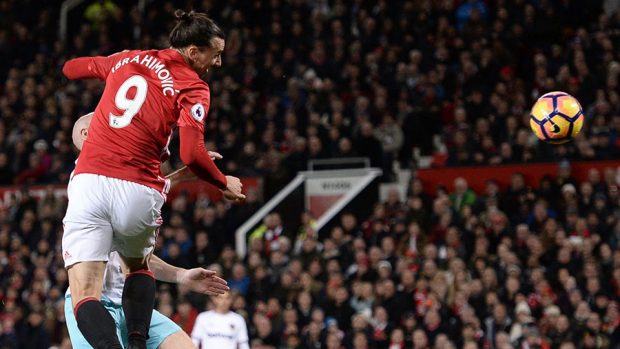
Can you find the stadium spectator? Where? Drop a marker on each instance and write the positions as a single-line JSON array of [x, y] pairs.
[[220, 327]]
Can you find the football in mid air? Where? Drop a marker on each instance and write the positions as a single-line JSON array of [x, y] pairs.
[[556, 117]]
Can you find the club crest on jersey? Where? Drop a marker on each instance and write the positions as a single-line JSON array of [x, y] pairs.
[[198, 112]]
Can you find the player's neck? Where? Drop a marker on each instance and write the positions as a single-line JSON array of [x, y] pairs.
[[221, 311], [182, 53]]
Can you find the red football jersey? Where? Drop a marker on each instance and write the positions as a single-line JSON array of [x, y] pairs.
[[146, 94]]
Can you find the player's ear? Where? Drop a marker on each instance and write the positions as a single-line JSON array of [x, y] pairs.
[[84, 133], [192, 52]]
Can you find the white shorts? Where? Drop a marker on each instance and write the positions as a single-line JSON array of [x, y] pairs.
[[109, 214]]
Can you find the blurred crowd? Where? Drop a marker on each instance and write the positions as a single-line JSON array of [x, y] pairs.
[[514, 267], [393, 81]]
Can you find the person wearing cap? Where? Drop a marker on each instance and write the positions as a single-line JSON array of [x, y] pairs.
[[523, 318], [569, 200], [569, 188], [384, 269], [550, 316]]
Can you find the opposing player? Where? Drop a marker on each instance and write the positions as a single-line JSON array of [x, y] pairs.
[[117, 191], [163, 332], [220, 328]]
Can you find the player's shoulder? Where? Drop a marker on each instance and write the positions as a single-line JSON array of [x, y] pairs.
[[125, 54], [184, 76], [182, 71], [236, 317], [205, 314], [190, 84]]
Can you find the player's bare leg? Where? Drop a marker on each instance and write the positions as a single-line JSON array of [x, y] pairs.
[[138, 300], [94, 321], [177, 340]]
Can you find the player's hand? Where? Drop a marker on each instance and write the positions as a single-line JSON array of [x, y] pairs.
[[203, 281], [233, 189], [215, 155]]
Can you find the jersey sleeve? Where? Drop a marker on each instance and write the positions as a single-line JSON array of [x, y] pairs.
[[242, 335], [196, 157], [197, 330], [90, 67], [194, 106]]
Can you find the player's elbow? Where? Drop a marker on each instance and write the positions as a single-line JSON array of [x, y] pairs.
[[68, 69], [191, 148], [188, 157]]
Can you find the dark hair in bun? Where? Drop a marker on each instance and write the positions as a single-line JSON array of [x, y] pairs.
[[194, 28], [183, 16]]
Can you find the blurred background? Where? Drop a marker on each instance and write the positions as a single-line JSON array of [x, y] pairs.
[[396, 195]]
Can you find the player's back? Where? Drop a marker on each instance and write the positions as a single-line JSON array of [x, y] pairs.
[[134, 119]]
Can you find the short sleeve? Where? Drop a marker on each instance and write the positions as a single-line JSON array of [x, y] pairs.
[[242, 334], [196, 334], [194, 106]]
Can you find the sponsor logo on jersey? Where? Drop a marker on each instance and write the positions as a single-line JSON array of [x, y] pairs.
[[198, 112], [220, 335]]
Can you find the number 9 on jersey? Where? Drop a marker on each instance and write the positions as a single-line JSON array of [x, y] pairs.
[[130, 106]]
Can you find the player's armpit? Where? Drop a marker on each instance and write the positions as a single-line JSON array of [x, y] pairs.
[[87, 68], [196, 157]]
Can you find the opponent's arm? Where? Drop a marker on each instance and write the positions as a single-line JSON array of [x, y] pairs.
[[199, 280], [184, 173]]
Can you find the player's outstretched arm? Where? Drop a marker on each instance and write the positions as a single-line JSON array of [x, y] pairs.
[[199, 280], [90, 67]]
